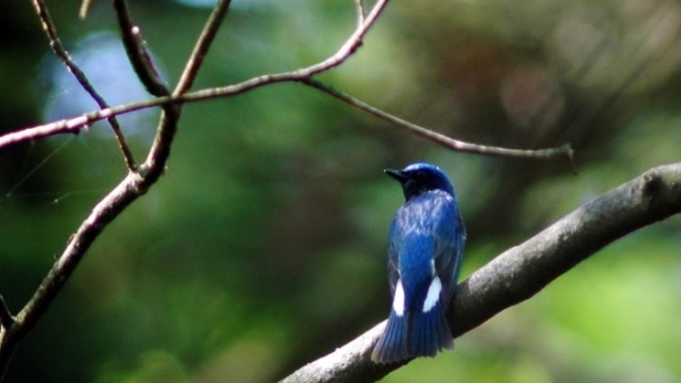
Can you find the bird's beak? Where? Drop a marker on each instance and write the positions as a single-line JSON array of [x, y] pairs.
[[396, 174]]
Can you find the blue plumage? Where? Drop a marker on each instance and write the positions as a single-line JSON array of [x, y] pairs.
[[425, 250]]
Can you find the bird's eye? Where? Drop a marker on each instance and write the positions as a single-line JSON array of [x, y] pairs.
[[421, 175]]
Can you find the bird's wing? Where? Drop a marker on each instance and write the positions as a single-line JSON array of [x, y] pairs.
[[450, 238], [393, 261]]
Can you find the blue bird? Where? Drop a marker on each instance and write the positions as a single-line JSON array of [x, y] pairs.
[[425, 250]]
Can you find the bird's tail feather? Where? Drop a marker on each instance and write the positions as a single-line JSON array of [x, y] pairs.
[[429, 333], [392, 345], [421, 334]]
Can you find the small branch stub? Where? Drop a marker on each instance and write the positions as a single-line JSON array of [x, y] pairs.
[[6, 317]]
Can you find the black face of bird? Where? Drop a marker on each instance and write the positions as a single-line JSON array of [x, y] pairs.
[[417, 179]]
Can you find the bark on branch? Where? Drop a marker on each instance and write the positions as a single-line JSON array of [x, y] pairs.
[[523, 270]]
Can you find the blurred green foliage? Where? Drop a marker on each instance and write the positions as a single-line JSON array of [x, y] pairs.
[[263, 246]]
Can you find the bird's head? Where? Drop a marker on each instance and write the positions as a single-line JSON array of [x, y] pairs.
[[419, 178]]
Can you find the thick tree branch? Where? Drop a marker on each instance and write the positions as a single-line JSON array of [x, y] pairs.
[[524, 270]]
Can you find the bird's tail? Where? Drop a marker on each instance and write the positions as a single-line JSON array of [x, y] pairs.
[[392, 345], [429, 332], [409, 336]]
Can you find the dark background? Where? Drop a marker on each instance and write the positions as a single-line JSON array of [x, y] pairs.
[[263, 246]]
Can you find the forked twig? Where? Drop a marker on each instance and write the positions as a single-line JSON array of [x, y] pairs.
[[63, 54], [201, 48], [74, 124], [160, 149], [133, 185]]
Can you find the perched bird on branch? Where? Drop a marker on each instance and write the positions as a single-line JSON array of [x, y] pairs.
[[425, 250]]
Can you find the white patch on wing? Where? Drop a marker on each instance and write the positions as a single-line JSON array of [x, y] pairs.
[[398, 301], [433, 295]]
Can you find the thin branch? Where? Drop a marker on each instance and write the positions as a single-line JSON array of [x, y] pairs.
[[351, 45], [6, 318], [63, 54], [201, 48], [137, 51], [457, 145], [360, 9], [523, 270], [72, 125], [104, 212], [135, 184], [84, 9], [160, 149]]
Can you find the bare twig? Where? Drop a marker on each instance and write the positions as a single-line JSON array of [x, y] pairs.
[[77, 123], [84, 9], [201, 48], [523, 270], [135, 184], [461, 146], [160, 149], [138, 182], [63, 54], [74, 124], [137, 52]]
